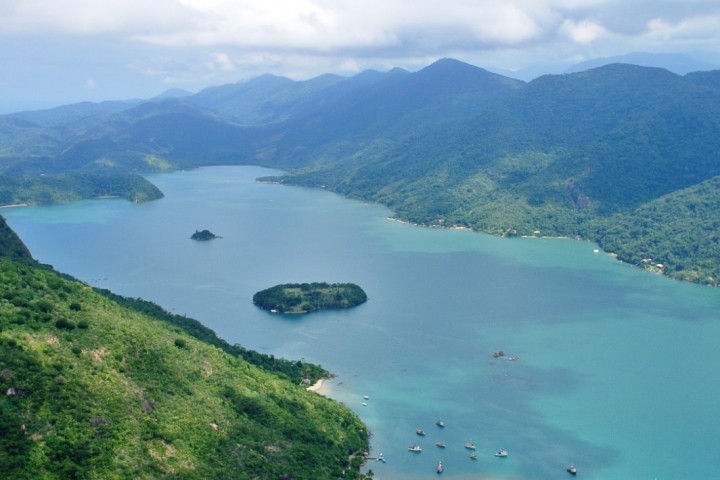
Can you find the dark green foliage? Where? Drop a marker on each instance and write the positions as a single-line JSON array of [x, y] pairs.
[[309, 297], [136, 397], [680, 232]]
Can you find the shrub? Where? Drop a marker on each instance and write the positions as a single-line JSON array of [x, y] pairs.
[[66, 324]]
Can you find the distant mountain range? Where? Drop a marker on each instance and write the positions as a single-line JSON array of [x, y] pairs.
[[598, 154]]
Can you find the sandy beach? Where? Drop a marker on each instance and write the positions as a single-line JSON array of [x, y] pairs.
[[317, 387]]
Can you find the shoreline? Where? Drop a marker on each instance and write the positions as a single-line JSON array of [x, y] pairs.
[[317, 387], [14, 205]]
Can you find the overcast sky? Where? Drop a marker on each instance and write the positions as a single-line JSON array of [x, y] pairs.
[[57, 52]]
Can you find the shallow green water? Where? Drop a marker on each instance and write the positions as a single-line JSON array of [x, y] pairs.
[[615, 368]]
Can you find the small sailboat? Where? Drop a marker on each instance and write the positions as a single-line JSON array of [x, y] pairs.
[[440, 423], [501, 453], [415, 448], [571, 469], [440, 444], [473, 456], [470, 445], [439, 468], [420, 432]]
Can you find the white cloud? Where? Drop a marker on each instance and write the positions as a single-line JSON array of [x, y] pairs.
[[222, 61], [89, 84], [331, 26], [81, 17], [703, 28], [583, 32], [193, 43]]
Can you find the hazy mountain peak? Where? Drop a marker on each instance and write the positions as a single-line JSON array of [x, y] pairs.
[[676, 63], [172, 93], [449, 65]]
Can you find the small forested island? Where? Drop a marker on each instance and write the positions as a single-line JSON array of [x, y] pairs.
[[309, 297], [203, 235]]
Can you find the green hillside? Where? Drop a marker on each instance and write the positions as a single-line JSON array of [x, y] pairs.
[[73, 186], [567, 155], [93, 389]]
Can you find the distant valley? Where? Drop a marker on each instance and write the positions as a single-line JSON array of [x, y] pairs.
[[620, 154]]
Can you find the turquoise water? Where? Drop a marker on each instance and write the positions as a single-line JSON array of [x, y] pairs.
[[615, 368]]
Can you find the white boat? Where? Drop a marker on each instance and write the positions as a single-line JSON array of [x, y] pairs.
[[415, 448], [470, 446], [420, 432], [501, 453], [440, 423], [571, 469], [440, 444], [439, 468]]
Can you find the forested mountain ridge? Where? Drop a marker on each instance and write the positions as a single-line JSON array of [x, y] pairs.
[[451, 144], [97, 386]]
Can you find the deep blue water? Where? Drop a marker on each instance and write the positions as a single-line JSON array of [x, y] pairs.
[[615, 368]]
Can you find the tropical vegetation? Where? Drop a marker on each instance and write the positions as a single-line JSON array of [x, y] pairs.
[[309, 297]]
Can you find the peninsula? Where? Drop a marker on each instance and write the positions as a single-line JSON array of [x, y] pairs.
[[309, 297]]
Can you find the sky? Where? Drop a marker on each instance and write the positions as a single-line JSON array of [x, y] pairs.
[[57, 52]]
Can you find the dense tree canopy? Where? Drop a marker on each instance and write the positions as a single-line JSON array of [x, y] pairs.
[[309, 297]]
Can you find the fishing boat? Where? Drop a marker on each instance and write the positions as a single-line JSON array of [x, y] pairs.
[[571, 469], [415, 448], [470, 445], [439, 468], [501, 453]]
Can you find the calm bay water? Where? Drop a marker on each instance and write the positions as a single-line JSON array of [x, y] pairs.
[[615, 369]]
